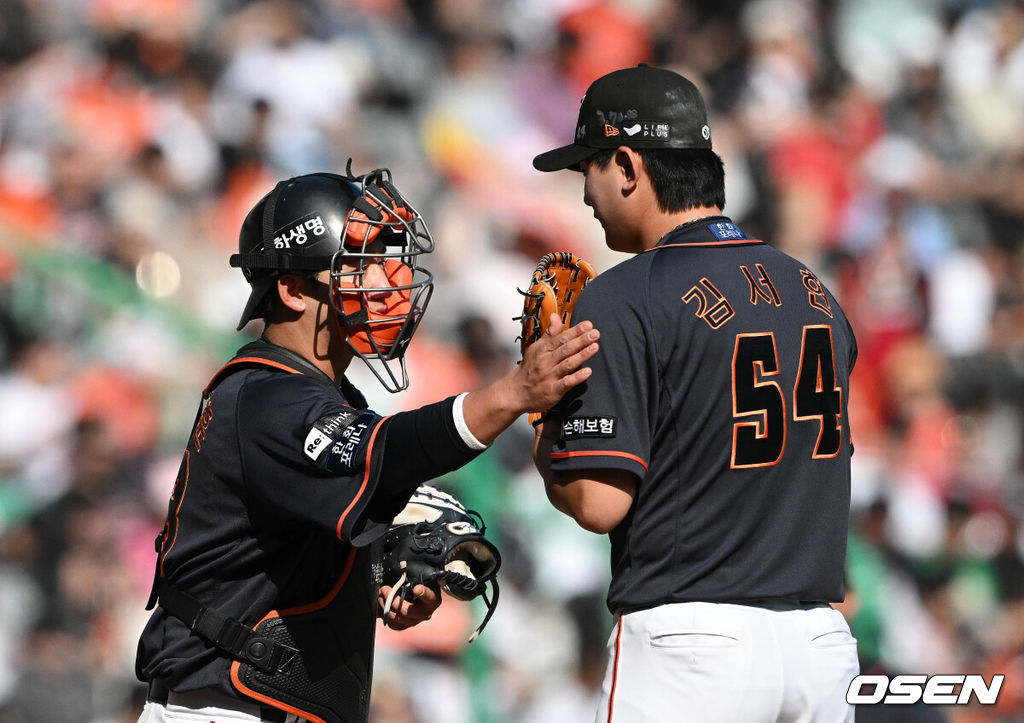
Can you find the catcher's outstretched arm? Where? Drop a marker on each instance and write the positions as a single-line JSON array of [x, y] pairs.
[[551, 366]]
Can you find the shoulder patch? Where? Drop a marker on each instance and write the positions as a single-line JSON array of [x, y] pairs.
[[334, 440], [580, 427], [326, 430]]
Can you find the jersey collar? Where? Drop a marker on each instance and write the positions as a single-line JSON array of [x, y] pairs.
[[706, 231], [264, 353], [288, 358]]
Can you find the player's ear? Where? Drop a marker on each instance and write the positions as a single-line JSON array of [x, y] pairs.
[[629, 165], [293, 292]]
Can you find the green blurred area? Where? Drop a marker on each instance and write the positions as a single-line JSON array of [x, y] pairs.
[[45, 274]]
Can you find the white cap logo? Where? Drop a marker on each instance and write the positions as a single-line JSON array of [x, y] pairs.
[[706, 132]]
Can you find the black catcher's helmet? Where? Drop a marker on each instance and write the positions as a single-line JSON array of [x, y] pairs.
[[326, 221]]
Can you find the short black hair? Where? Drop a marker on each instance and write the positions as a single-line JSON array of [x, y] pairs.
[[683, 178]]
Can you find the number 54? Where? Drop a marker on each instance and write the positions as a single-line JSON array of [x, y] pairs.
[[816, 396]]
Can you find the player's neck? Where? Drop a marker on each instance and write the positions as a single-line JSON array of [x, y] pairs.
[[664, 223], [332, 357]]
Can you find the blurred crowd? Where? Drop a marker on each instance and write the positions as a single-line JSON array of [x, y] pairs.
[[879, 141]]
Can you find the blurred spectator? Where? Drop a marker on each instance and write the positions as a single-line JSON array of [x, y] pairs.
[[870, 665], [37, 413], [55, 682]]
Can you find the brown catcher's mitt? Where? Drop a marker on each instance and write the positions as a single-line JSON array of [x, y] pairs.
[[554, 287]]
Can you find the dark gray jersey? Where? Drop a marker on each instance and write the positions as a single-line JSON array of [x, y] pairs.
[[284, 474], [722, 384]]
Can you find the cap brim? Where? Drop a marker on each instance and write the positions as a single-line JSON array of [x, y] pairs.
[[569, 156], [252, 306]]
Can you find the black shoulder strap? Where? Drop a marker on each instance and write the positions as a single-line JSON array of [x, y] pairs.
[[264, 353], [352, 395]]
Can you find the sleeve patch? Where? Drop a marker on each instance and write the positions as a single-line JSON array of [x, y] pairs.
[[580, 427], [335, 442]]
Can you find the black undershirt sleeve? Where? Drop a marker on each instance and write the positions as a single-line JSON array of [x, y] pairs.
[[420, 445]]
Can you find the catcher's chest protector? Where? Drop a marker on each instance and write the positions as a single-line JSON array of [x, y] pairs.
[[327, 679]]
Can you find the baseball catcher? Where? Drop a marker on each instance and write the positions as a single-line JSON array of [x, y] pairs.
[[435, 541], [554, 288], [267, 582]]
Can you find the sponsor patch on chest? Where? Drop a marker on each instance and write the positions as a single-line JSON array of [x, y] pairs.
[[580, 427]]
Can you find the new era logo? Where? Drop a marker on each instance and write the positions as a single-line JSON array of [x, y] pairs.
[[610, 131]]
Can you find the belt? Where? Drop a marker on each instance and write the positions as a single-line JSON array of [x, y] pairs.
[[160, 693], [764, 602], [782, 602]]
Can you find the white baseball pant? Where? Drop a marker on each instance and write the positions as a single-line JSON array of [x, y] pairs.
[[203, 708], [729, 663]]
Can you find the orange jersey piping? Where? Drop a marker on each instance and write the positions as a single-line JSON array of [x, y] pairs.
[[250, 360], [366, 477], [615, 671], [626, 455]]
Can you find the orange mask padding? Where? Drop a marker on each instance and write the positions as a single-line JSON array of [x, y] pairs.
[[386, 314], [362, 230]]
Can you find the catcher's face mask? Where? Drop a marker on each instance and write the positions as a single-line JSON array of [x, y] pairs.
[[377, 287], [368, 237]]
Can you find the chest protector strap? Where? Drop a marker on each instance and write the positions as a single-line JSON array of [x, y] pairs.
[[328, 680], [314, 661], [229, 635]]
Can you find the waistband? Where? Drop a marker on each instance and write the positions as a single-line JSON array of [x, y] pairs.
[[770, 603], [160, 693], [776, 602]]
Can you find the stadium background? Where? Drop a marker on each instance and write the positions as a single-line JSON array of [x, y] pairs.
[[880, 141]]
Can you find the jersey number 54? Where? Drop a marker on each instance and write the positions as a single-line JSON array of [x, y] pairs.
[[759, 403]]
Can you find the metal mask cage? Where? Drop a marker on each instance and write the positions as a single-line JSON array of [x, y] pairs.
[[396, 238]]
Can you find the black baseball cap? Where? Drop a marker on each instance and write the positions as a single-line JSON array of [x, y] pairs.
[[641, 107]]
